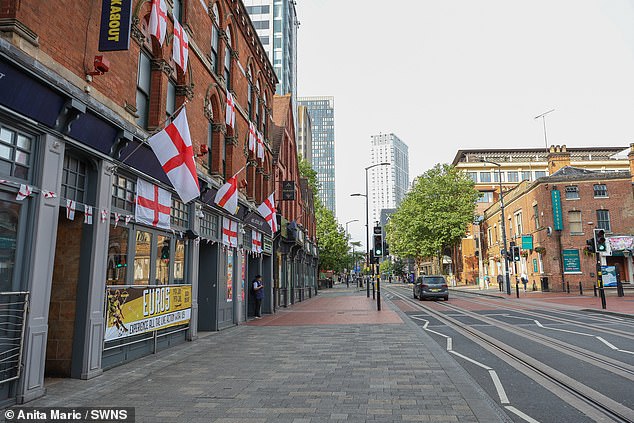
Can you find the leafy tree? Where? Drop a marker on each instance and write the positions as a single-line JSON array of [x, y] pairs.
[[399, 267], [307, 171], [332, 242], [433, 215], [386, 267]]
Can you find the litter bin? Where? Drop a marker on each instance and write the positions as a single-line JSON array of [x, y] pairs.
[[544, 282]]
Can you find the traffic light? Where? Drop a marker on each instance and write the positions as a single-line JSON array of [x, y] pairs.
[[515, 251], [165, 251], [599, 240], [590, 245], [378, 241]]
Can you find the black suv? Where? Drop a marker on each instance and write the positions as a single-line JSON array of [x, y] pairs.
[[432, 286]]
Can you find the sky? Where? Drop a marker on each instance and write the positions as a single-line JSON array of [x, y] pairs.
[[445, 75]]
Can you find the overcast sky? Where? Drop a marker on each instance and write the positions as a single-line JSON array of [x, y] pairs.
[[445, 75]]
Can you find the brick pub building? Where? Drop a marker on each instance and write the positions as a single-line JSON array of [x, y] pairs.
[[65, 135]]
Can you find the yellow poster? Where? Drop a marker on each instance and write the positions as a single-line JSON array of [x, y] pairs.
[[134, 310]]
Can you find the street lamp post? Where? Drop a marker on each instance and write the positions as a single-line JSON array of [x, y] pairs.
[[503, 226], [367, 229], [350, 221]]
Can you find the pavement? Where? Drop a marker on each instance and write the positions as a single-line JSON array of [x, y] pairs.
[[332, 358], [622, 306]]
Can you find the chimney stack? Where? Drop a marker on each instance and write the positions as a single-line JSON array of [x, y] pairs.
[[558, 157]]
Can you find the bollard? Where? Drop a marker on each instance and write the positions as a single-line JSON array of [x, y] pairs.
[[517, 289], [378, 293], [563, 287], [595, 290], [367, 287], [373, 293], [568, 287], [580, 289], [619, 289]]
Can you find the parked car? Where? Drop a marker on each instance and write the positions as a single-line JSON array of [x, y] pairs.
[[431, 286]]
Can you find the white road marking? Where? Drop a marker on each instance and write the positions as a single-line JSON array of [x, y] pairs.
[[613, 347], [498, 386], [607, 343], [520, 414], [470, 360]]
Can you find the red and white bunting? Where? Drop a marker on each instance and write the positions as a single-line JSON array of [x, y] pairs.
[[49, 194], [256, 242], [104, 216], [180, 50], [227, 195], [70, 209], [229, 232], [117, 217], [230, 111], [153, 205], [23, 192], [158, 20], [128, 217], [173, 148], [87, 214], [260, 139], [267, 210]]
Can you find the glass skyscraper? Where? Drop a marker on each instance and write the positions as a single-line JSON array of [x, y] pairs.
[[322, 116], [387, 184]]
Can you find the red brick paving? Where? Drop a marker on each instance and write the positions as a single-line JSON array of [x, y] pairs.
[[331, 310]]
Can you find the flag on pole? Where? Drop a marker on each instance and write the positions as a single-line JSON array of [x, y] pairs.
[[70, 209], [173, 148], [227, 195], [153, 205], [267, 210], [158, 20], [229, 232], [256, 242], [180, 46], [230, 111], [87, 214]]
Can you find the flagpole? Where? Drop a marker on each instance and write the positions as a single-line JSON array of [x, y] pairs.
[[161, 124]]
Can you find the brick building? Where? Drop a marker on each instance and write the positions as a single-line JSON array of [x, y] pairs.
[[558, 214], [73, 133]]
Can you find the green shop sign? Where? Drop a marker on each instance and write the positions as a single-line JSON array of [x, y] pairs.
[[558, 222], [527, 242], [572, 263]]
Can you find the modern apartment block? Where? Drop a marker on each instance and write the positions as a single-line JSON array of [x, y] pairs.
[[387, 185], [322, 114], [304, 134]]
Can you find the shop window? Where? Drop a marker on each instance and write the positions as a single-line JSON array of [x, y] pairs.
[[600, 191], [572, 192], [209, 225], [574, 222], [117, 256], [603, 220], [9, 216], [144, 81], [163, 258], [179, 262], [123, 193], [178, 213], [15, 153], [74, 179], [143, 251]]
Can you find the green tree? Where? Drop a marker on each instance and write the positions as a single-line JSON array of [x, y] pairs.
[[307, 171], [386, 267], [399, 267], [331, 240], [433, 215]]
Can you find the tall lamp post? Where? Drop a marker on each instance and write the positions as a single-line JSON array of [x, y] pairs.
[[503, 226], [350, 221], [367, 229]]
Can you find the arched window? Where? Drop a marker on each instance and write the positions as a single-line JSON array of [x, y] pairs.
[[215, 31], [228, 60], [250, 93], [257, 104]]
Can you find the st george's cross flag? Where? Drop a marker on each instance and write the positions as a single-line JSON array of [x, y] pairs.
[[70, 209], [256, 242], [252, 145], [227, 195], [180, 50], [229, 232], [260, 139], [267, 210], [153, 205], [158, 20], [173, 148], [230, 111], [87, 214]]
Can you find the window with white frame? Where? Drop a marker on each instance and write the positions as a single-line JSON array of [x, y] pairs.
[[600, 191], [518, 223], [572, 192], [603, 220], [574, 222]]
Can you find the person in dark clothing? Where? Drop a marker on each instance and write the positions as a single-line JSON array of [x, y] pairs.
[[258, 290], [500, 281]]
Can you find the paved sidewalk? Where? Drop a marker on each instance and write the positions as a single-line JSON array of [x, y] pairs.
[[333, 358]]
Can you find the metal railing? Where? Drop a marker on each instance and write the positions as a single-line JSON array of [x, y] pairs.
[[13, 308]]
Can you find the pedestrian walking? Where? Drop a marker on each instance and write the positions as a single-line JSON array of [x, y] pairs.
[[500, 281], [486, 281], [524, 280], [258, 290], [347, 281]]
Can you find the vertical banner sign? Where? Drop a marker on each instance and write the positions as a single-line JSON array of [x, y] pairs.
[[230, 276], [244, 272], [114, 30], [558, 222]]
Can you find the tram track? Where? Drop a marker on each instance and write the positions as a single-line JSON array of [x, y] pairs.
[[589, 401]]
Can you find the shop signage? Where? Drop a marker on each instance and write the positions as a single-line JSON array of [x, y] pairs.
[[114, 30], [288, 190], [267, 244], [572, 263], [131, 310], [527, 242], [256, 221], [558, 222], [535, 267]]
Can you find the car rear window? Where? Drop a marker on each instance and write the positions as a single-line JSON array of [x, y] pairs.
[[435, 280]]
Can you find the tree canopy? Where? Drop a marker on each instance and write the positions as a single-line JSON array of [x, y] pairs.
[[434, 214]]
